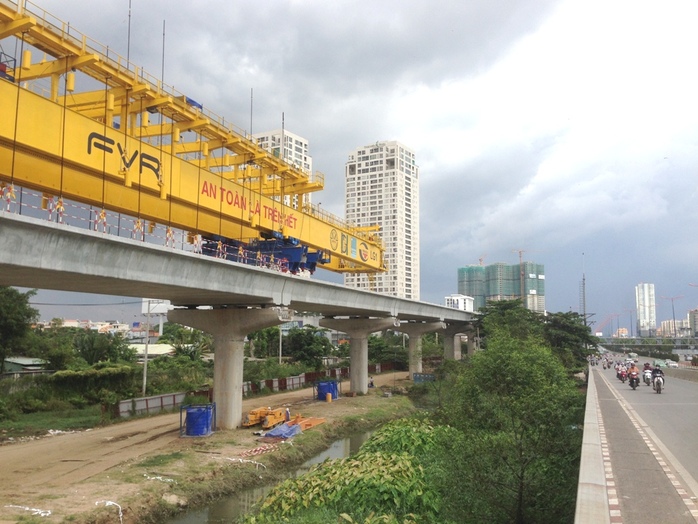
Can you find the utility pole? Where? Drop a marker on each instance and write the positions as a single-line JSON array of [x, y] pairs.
[[147, 341], [673, 314], [583, 294]]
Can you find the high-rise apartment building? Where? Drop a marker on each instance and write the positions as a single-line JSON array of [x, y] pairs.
[[295, 151], [504, 282], [382, 188], [646, 309]]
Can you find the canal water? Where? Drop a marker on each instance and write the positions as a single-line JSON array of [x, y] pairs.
[[229, 509]]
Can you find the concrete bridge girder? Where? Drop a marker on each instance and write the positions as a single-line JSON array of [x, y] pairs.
[[415, 330], [358, 330], [229, 327]]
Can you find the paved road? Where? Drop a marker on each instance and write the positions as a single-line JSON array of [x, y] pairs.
[[651, 444]]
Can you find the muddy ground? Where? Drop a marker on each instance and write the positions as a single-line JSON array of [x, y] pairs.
[[69, 474]]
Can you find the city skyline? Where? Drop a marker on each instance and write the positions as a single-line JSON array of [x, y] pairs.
[[530, 135]]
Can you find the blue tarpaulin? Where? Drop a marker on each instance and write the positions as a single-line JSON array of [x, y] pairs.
[[284, 431]]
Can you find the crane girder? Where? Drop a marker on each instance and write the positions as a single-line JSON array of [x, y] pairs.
[[94, 147]]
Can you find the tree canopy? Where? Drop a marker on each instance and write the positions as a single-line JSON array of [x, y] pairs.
[[16, 318], [308, 345]]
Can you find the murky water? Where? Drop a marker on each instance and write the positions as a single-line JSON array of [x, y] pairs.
[[231, 508]]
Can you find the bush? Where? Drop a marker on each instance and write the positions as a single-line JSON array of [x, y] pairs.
[[6, 413]]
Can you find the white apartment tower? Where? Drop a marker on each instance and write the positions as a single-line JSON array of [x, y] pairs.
[[646, 310], [382, 188], [295, 151]]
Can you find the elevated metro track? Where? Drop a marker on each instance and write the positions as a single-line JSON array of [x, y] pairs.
[[45, 255], [130, 144]]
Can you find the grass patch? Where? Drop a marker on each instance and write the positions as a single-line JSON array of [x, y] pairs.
[[35, 424], [161, 460]]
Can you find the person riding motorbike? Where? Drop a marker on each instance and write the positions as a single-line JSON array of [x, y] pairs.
[[657, 372], [634, 369], [647, 366]]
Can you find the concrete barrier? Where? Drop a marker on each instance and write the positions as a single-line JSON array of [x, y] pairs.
[[592, 497]]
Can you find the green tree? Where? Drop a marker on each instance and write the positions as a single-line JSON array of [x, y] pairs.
[[53, 345], [566, 333], [432, 345], [96, 347], [511, 316], [518, 412], [389, 346], [569, 337], [265, 342], [16, 317], [308, 345], [188, 342]]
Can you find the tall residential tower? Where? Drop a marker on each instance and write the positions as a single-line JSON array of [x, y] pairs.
[[382, 188], [646, 310]]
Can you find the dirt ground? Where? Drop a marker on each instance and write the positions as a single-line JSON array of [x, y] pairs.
[[69, 473]]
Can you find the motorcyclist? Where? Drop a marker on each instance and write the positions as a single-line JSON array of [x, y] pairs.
[[634, 369], [647, 366], [657, 372]]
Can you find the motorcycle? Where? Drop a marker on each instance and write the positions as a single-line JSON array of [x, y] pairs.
[[623, 376], [647, 376], [634, 380], [658, 383]]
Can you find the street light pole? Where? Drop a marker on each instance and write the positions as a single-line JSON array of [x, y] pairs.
[[673, 315]]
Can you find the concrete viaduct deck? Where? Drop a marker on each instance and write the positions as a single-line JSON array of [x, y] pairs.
[[227, 299]]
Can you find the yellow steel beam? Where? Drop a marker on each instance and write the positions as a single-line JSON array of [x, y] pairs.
[[15, 26], [54, 67]]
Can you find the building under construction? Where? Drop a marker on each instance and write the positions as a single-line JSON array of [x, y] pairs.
[[504, 282]]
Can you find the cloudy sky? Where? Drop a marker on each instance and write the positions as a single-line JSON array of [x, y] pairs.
[[567, 129]]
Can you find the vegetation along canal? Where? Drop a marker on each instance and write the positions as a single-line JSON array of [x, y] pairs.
[[229, 509]]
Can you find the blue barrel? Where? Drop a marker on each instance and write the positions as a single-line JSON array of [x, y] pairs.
[[198, 421], [323, 388]]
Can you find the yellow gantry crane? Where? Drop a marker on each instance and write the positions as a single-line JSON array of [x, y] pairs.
[[131, 144]]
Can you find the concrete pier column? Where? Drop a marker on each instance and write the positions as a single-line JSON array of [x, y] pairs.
[[452, 350], [229, 327], [358, 330], [415, 330], [470, 343]]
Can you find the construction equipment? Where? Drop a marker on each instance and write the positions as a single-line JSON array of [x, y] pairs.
[[306, 422], [255, 416], [128, 143], [273, 418]]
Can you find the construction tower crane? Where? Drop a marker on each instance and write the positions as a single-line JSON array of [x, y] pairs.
[[129, 143]]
